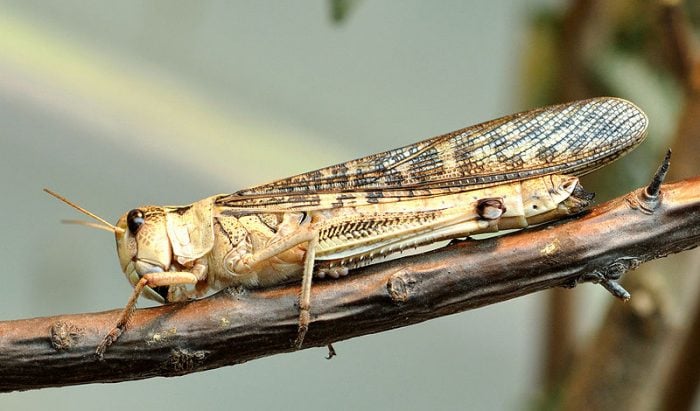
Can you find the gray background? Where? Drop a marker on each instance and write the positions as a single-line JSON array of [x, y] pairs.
[[118, 104]]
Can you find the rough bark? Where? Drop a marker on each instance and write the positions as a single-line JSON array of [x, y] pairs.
[[232, 327]]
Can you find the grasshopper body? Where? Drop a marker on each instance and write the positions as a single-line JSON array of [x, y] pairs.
[[510, 172]]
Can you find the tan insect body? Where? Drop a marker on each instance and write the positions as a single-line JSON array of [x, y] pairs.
[[507, 173]]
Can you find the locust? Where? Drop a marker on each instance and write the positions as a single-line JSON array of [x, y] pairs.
[[507, 173]]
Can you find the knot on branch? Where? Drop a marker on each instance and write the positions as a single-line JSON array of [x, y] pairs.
[[65, 335], [182, 361], [609, 276], [400, 286]]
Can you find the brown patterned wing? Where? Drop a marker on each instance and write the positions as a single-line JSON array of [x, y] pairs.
[[573, 138]]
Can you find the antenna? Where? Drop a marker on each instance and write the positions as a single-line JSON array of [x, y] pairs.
[[106, 226]]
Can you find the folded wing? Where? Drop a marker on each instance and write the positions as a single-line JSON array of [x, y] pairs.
[[573, 139]]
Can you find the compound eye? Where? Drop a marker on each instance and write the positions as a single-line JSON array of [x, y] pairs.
[[134, 220]]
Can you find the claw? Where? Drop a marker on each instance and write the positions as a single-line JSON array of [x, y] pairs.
[[107, 341], [331, 351], [304, 319]]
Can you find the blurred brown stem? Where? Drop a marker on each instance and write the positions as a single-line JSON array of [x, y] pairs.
[[678, 34], [559, 336], [560, 321], [680, 387]]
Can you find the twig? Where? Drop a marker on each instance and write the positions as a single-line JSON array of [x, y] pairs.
[[237, 326]]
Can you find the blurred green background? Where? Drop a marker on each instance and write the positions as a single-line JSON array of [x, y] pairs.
[[119, 104]]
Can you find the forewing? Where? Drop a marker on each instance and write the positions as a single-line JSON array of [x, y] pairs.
[[573, 138]]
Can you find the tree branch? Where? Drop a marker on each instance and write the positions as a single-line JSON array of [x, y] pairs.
[[233, 326]]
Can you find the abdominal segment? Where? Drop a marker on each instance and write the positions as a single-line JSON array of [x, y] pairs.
[[359, 238]]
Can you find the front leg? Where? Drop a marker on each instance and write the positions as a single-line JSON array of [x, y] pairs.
[[152, 280], [246, 263], [180, 292], [238, 263]]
